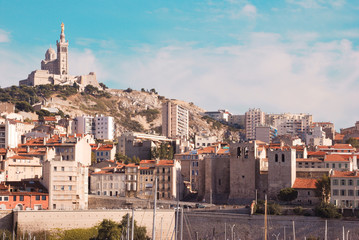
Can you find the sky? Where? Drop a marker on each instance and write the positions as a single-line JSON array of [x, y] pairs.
[[297, 56]]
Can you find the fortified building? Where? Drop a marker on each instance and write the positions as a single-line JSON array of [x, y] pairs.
[[55, 68]]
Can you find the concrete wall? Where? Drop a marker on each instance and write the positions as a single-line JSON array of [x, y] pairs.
[[50, 220], [6, 219]]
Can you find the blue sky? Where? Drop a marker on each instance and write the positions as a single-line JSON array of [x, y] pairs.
[[281, 56]]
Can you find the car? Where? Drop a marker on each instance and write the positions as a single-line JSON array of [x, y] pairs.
[[199, 205]]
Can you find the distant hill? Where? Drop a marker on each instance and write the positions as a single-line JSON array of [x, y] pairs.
[[133, 110]]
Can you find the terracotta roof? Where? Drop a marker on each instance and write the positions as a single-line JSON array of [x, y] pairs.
[[19, 157], [336, 158], [105, 148], [53, 119], [318, 153], [338, 137], [345, 174], [308, 160], [304, 183]]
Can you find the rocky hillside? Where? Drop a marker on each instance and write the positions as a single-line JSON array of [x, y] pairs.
[[133, 110]]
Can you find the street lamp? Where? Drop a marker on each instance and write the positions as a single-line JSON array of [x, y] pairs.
[[276, 236], [232, 231]]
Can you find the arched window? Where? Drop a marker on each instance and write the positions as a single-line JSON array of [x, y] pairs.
[[238, 152], [246, 152], [276, 157], [283, 158]]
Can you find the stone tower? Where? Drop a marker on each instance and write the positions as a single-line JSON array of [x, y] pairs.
[[281, 170], [62, 53]]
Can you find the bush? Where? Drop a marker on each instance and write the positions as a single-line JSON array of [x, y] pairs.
[[298, 210], [272, 208], [288, 194], [327, 210]]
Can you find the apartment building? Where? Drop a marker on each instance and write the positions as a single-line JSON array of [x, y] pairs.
[[317, 137], [140, 144], [11, 131], [105, 152], [175, 120], [67, 183], [291, 124], [109, 181], [221, 115], [265, 133], [344, 189], [253, 118], [23, 195], [18, 168], [102, 127]]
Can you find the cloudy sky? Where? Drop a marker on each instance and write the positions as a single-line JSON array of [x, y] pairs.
[[299, 56]]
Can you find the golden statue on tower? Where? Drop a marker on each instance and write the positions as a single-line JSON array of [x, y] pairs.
[[62, 27]]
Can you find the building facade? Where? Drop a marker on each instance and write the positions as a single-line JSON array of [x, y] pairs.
[[175, 120], [254, 117]]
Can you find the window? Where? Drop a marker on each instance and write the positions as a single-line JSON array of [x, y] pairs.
[[350, 182], [283, 158], [70, 178], [340, 165], [342, 192], [327, 165], [70, 187], [21, 198], [43, 197], [37, 198], [350, 192], [342, 182], [219, 182], [335, 181], [62, 188], [53, 206], [333, 165], [276, 157], [14, 198], [63, 169], [55, 169], [335, 192]]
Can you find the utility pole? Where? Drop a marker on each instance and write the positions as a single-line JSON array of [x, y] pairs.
[[284, 233], [133, 224], [181, 234], [161, 229], [293, 231], [128, 227], [265, 219], [343, 233], [326, 230], [225, 231], [154, 211], [232, 235], [177, 211]]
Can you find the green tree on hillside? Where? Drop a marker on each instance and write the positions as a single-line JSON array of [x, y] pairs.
[[322, 189]]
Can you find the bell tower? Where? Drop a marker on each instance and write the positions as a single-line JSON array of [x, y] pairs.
[[62, 53]]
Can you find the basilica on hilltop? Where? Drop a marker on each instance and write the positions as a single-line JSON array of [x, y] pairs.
[[55, 68]]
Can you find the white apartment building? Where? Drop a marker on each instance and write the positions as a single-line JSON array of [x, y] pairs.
[[67, 183], [175, 119], [317, 137], [288, 123], [11, 131], [102, 127], [204, 140], [220, 115], [254, 117]]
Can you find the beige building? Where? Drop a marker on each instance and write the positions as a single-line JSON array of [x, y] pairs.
[[18, 168], [344, 189], [306, 191], [55, 68], [67, 183], [175, 120], [254, 117], [109, 182]]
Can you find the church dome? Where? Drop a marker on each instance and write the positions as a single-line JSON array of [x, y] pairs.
[[50, 54]]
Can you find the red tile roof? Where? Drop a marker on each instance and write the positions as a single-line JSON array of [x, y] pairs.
[[345, 174], [304, 183], [336, 158]]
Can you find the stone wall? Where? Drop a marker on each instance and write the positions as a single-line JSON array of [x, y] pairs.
[[6, 219], [50, 220]]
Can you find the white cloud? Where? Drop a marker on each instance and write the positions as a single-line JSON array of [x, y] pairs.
[[4, 36], [266, 70], [249, 10], [318, 3], [320, 79]]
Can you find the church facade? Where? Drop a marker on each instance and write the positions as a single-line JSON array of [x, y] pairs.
[[55, 68]]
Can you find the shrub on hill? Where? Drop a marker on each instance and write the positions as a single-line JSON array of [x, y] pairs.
[[327, 210]]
